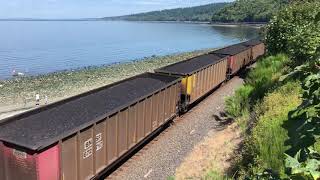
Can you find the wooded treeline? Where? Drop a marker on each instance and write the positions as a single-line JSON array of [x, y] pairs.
[[235, 12]]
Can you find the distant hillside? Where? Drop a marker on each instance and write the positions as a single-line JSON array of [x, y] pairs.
[[198, 13], [249, 11]]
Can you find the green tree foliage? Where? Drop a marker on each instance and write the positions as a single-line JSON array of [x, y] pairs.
[[296, 31], [198, 13], [249, 11]]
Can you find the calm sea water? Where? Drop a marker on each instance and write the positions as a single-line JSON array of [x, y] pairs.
[[38, 47]]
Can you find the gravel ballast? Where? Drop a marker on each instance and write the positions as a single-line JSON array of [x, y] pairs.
[[160, 158]]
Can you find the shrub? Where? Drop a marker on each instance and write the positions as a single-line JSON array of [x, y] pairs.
[[303, 159], [238, 104]]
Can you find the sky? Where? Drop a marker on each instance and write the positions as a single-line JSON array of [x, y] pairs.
[[88, 8]]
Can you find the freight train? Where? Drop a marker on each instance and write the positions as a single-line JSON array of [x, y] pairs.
[[83, 137]]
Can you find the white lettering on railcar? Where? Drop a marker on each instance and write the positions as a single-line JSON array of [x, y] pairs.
[[19, 154], [99, 145], [87, 153], [88, 146], [99, 142]]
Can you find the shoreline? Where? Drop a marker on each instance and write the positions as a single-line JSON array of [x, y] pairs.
[[198, 22], [253, 25], [18, 95], [96, 67], [151, 21]]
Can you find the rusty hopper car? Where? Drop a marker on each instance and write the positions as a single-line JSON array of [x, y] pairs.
[[257, 48], [239, 56], [200, 75], [81, 137]]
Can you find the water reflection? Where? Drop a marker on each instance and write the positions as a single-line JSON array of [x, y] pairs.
[[238, 32]]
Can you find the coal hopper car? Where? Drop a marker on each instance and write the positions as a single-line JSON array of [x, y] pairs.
[[81, 137], [238, 57], [199, 75], [257, 48]]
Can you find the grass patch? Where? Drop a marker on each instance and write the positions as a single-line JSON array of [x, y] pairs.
[[266, 145], [269, 136], [243, 121], [265, 76], [214, 175]]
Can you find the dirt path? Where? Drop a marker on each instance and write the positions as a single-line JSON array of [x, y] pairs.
[[182, 145], [213, 153]]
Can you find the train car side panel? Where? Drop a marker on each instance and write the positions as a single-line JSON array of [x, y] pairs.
[[215, 77], [69, 156], [112, 138], [19, 164], [2, 165], [195, 87], [122, 132], [184, 85], [162, 107], [225, 69], [218, 74], [48, 164], [206, 79], [148, 112], [86, 154], [248, 57], [238, 61], [190, 85], [155, 111], [167, 106], [210, 77], [101, 160], [260, 50], [132, 129], [140, 120], [27, 165], [202, 84], [172, 101], [177, 99], [206, 85]]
